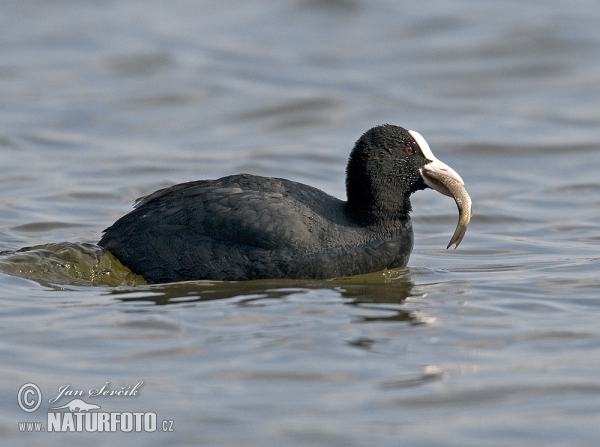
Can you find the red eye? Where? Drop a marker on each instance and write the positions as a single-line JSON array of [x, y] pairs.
[[408, 150]]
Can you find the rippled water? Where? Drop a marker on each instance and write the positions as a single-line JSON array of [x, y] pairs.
[[495, 343]]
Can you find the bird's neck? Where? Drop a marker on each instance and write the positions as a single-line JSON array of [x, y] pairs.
[[380, 211]]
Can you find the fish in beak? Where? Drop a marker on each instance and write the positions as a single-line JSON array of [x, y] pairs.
[[444, 179]]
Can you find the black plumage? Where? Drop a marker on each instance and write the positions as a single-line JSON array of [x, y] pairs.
[[247, 227]]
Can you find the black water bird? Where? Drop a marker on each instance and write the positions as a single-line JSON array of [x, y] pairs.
[[244, 226]]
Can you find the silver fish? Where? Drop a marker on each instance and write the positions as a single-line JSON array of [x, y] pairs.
[[462, 199]]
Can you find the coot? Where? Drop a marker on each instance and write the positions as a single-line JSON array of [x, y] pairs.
[[243, 227]]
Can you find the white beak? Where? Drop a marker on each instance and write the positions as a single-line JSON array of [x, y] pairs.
[[435, 165]]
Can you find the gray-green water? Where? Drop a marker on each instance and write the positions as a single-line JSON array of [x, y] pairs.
[[496, 343]]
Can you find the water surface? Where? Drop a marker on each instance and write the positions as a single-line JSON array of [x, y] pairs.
[[495, 343]]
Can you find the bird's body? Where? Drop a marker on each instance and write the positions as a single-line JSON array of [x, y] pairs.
[[248, 227]]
